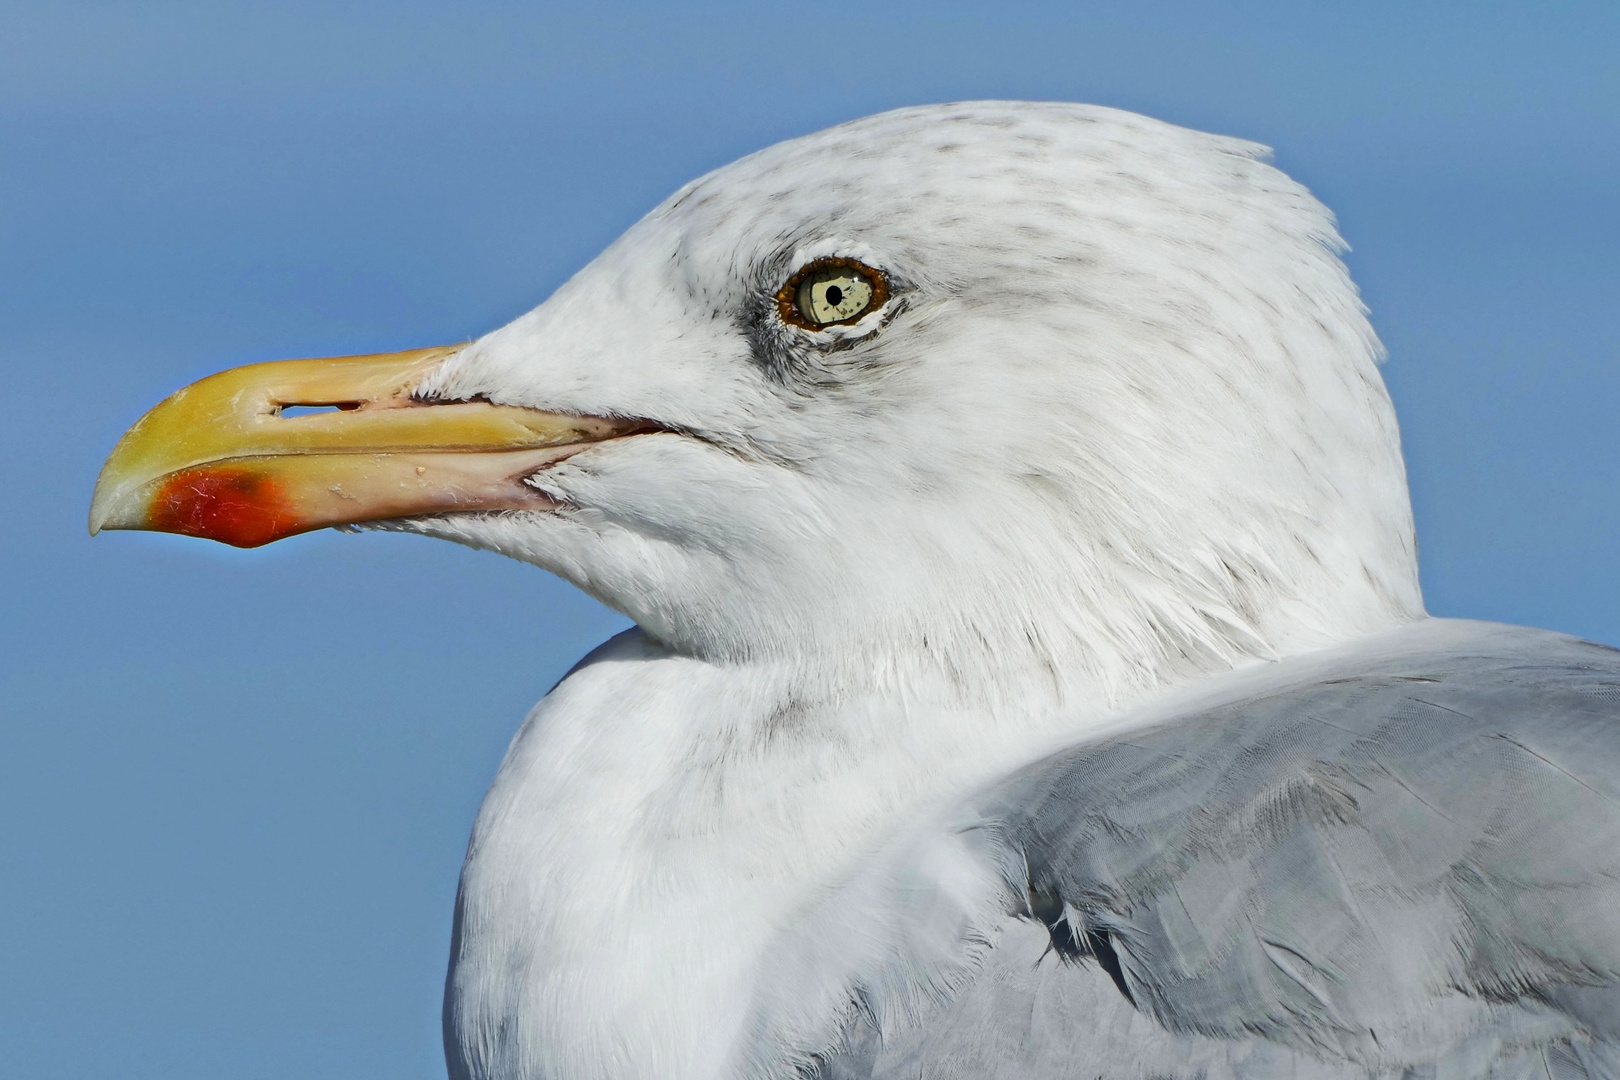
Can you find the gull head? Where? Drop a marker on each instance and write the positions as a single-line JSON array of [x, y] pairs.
[[985, 386]]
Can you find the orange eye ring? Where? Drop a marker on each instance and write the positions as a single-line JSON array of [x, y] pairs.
[[827, 292]]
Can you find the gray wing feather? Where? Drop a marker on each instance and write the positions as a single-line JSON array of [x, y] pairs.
[[1397, 866]]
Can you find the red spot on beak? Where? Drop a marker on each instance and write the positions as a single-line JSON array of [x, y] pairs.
[[233, 505]]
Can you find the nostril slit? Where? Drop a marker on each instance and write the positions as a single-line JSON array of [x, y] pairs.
[[286, 411]]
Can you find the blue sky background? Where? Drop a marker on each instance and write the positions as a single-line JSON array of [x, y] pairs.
[[235, 786]]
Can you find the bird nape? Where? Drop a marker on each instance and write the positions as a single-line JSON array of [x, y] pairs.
[[1030, 676]]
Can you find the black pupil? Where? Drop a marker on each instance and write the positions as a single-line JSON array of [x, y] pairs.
[[835, 295]]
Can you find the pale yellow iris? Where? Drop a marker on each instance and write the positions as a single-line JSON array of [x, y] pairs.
[[833, 294]]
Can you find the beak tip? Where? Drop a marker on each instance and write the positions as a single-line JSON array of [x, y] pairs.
[[106, 504], [98, 514], [104, 517]]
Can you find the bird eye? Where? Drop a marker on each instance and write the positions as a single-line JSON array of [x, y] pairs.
[[831, 292]]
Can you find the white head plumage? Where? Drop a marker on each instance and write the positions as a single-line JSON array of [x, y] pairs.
[[1119, 419]]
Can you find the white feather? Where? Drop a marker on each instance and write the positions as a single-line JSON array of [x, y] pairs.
[[1120, 429]]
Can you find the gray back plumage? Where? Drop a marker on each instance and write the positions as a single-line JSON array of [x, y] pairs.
[[1396, 862]]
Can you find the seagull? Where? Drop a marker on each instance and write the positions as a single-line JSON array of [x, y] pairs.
[[1030, 677]]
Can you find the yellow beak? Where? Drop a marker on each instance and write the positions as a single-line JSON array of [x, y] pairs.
[[220, 460]]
